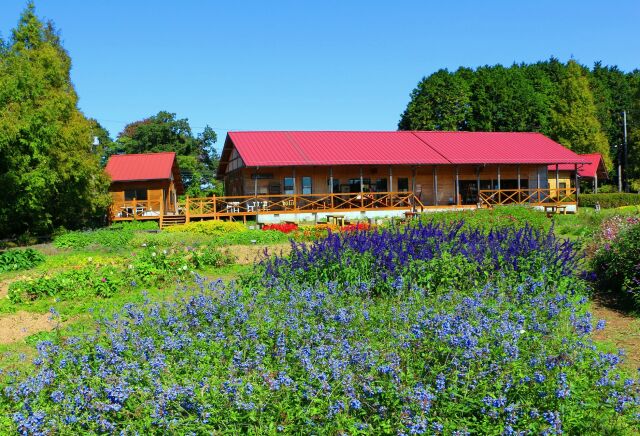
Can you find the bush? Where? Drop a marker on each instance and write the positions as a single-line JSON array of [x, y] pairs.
[[617, 262], [103, 282], [608, 201], [209, 228], [14, 260]]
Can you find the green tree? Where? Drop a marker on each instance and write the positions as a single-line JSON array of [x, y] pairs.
[[574, 118], [197, 157], [49, 175], [439, 102]]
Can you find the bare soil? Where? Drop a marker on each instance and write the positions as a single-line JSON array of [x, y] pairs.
[[248, 254], [19, 325], [621, 329]]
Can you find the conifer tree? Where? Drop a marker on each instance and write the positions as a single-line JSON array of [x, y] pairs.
[[574, 117], [50, 176]]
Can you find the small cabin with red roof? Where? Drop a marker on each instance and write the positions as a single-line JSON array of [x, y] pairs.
[[144, 186]]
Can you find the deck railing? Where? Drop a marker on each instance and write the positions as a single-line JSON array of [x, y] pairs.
[[531, 196], [137, 209], [216, 207], [297, 203]]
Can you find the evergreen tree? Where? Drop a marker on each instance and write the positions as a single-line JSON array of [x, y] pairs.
[[574, 117], [49, 175], [439, 102]]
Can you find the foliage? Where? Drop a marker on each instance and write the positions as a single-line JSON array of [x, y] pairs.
[[49, 175], [281, 227], [617, 261], [581, 108], [151, 266], [214, 228], [574, 120], [118, 235], [608, 200], [512, 354], [14, 260], [86, 281], [197, 157], [497, 217]]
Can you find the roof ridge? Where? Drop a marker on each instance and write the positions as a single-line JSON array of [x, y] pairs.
[[429, 145], [143, 154]]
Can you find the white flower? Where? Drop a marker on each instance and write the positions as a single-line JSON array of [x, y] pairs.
[[130, 266], [522, 331], [89, 259], [153, 254], [184, 267]]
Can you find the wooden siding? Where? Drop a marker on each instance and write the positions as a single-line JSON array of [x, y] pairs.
[[271, 180]]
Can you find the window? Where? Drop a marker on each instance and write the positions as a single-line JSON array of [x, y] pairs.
[[380, 185], [403, 184], [336, 185], [138, 194], [288, 185], [306, 185], [354, 184]]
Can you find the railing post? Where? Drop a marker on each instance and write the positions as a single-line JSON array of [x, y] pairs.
[[332, 200], [215, 208], [187, 210]]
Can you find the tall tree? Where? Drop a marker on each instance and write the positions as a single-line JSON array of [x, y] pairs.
[[574, 117], [197, 157], [439, 102], [49, 175]]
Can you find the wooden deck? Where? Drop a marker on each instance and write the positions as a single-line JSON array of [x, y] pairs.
[[241, 207]]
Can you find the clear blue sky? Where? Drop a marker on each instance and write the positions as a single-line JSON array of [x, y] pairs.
[[295, 65]]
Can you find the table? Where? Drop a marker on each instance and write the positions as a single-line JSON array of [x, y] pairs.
[[552, 209]]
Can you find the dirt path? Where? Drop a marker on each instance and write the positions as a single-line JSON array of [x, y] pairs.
[[621, 330], [19, 325]]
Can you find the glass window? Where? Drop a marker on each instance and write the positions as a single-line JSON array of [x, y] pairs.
[[381, 185], [336, 184], [403, 184], [288, 185], [306, 185], [354, 184], [138, 194]]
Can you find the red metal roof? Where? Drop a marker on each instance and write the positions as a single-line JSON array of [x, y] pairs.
[[291, 148], [498, 148], [594, 164], [148, 166]]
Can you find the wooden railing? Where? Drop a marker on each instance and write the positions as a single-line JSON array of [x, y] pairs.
[[137, 209], [296, 203], [494, 197]]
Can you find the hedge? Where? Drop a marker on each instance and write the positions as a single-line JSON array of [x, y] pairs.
[[609, 200]]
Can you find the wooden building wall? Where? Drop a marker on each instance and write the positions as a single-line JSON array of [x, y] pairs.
[[271, 180], [155, 192]]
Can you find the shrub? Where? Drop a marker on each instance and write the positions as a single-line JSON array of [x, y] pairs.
[[14, 260], [109, 238], [102, 282], [210, 228], [617, 262], [608, 201]]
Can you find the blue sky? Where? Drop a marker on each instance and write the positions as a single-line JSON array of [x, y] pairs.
[[296, 65]]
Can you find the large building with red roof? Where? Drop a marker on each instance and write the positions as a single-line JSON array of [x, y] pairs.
[[440, 168]]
